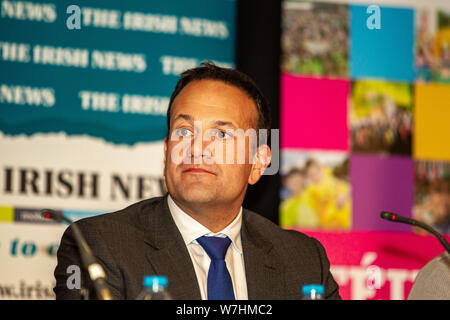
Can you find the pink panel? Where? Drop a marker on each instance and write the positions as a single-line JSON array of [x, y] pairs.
[[314, 113]]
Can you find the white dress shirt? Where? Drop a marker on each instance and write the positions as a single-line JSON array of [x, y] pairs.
[[191, 229]]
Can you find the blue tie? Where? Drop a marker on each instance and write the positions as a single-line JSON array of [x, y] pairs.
[[219, 282]]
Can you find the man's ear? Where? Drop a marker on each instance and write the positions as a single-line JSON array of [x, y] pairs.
[[262, 160]]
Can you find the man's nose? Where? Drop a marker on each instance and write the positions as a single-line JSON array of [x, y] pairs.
[[201, 150], [197, 145]]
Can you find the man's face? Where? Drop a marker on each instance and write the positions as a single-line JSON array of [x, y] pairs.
[[206, 109]]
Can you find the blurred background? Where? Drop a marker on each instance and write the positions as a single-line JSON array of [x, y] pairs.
[[359, 90]]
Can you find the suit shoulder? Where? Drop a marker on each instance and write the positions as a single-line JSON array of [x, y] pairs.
[[267, 227], [129, 216]]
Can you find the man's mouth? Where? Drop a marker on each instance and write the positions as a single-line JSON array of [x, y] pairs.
[[197, 170]]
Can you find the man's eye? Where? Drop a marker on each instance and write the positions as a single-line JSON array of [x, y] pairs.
[[223, 135], [183, 132]]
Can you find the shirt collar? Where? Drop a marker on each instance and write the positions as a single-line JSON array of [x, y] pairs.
[[191, 229]]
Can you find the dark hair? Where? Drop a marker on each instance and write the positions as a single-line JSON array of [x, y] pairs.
[[209, 71]]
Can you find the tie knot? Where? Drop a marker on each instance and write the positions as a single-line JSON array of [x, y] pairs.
[[215, 247]]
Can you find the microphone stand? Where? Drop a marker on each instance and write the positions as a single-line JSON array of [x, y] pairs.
[[396, 218], [95, 270]]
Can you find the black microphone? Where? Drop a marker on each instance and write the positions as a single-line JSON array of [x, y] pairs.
[[95, 270], [396, 218]]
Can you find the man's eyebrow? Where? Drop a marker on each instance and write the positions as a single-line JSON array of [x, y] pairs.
[[221, 123], [184, 116]]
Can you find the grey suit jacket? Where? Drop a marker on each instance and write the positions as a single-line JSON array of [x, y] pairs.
[[143, 239]]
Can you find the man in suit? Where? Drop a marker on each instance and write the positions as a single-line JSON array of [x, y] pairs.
[[198, 235]]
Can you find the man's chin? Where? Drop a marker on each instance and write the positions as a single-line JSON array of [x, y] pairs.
[[197, 195]]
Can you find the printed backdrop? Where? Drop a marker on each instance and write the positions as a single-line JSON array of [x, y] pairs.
[[365, 113], [364, 124], [84, 89]]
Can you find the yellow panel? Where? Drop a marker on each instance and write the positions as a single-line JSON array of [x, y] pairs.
[[6, 214], [432, 121]]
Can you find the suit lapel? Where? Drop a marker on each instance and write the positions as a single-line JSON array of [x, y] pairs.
[[264, 280], [168, 255]]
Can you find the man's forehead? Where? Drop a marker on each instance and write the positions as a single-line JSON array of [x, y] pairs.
[[225, 122], [214, 100]]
